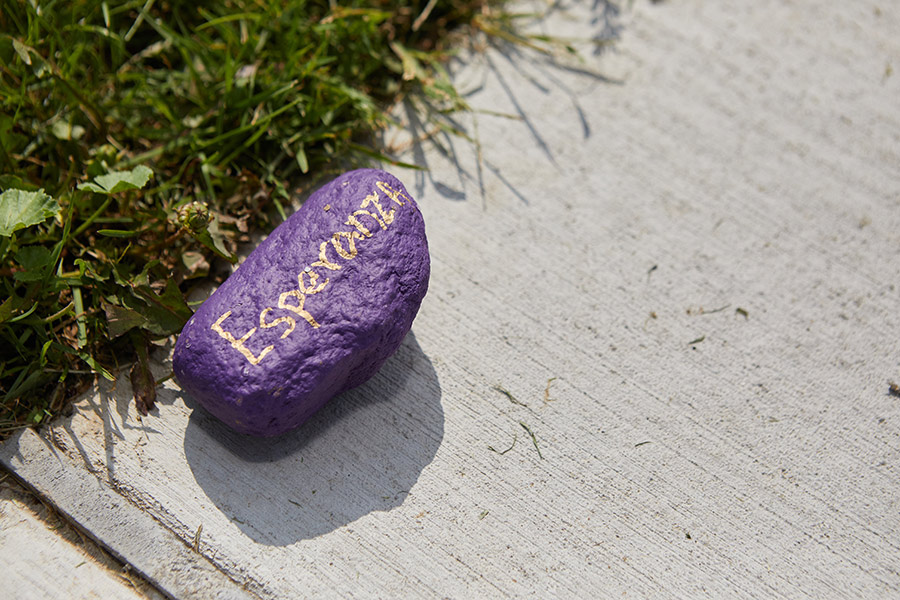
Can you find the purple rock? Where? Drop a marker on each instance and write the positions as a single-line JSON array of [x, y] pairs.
[[315, 310]]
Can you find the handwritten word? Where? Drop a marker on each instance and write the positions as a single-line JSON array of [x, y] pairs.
[[311, 281]]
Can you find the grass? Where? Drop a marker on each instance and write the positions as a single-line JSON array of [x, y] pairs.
[[142, 140], [533, 439], [509, 395], [502, 452]]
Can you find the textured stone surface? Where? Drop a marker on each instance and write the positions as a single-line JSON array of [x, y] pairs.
[[315, 310]]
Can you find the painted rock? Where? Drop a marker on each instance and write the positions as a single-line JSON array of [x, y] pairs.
[[315, 310]]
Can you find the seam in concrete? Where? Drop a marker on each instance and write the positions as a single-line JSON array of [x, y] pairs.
[[126, 531]]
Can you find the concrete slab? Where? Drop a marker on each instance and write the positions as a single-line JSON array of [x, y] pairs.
[[39, 560], [679, 261], [127, 530]]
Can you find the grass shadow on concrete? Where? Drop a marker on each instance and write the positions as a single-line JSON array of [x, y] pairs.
[[489, 79]]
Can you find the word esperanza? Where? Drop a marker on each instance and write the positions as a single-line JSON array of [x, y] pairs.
[[292, 300]]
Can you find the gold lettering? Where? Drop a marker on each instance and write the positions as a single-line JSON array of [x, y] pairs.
[[297, 308], [351, 236], [312, 288], [373, 199], [323, 260], [286, 319], [352, 220], [391, 192], [311, 285], [238, 344]]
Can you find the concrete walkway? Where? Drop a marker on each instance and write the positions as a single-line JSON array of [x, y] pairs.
[[654, 360], [43, 557]]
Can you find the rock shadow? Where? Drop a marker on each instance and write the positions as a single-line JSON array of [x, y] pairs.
[[362, 452]]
